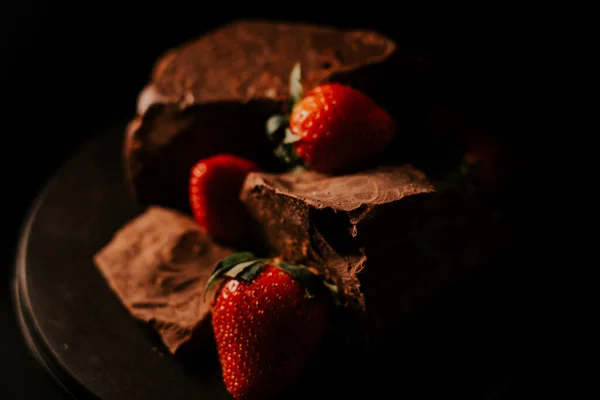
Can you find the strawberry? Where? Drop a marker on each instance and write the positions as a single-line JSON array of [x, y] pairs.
[[484, 167], [332, 128], [268, 318], [215, 184]]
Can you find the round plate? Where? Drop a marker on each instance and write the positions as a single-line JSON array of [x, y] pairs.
[[81, 333], [75, 325]]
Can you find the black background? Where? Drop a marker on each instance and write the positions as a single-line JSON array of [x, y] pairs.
[[68, 71]]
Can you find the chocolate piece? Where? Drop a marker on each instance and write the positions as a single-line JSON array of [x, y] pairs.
[[387, 238], [215, 95], [158, 264]]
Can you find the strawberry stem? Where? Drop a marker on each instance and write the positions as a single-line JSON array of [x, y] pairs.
[[277, 126]]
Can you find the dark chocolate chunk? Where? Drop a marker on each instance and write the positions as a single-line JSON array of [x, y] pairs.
[[385, 235], [158, 265], [215, 95]]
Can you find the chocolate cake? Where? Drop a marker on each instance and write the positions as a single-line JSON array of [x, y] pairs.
[[385, 235], [215, 94], [389, 234], [158, 265]]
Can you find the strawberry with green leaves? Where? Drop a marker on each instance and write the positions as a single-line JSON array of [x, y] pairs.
[[268, 318], [331, 128]]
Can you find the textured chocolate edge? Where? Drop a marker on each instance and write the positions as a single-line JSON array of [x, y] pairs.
[[158, 264]]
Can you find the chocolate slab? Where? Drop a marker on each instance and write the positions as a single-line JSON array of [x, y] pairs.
[[158, 265], [215, 94], [385, 235]]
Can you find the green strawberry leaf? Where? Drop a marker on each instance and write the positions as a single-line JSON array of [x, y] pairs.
[[226, 264], [283, 152], [276, 127], [312, 282], [290, 137], [286, 153], [296, 90], [335, 293], [252, 270], [245, 266], [233, 260], [246, 271], [237, 269]]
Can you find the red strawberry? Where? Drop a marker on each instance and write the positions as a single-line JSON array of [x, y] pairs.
[[268, 318], [333, 127], [215, 184], [485, 166]]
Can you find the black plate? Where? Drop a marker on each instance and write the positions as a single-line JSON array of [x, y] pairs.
[[75, 324], [462, 346]]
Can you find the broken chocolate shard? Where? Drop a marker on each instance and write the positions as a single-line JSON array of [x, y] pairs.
[[158, 265], [215, 95], [387, 238]]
